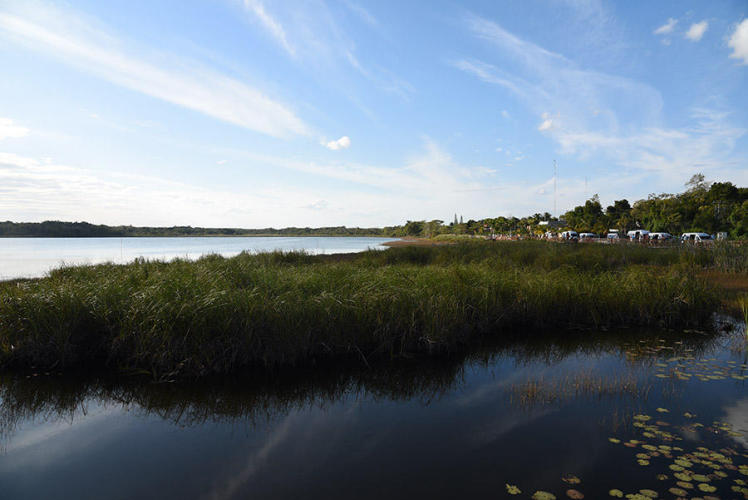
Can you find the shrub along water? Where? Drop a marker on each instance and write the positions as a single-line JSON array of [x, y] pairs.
[[217, 315]]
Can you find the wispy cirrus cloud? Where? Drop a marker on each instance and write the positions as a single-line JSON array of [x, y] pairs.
[[317, 37], [589, 112], [271, 24], [62, 34]]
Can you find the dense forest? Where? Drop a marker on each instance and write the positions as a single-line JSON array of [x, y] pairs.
[[703, 206]]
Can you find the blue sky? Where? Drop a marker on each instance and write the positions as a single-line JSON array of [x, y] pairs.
[[253, 113]]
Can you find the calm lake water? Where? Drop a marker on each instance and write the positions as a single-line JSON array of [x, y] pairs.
[[33, 257], [629, 411]]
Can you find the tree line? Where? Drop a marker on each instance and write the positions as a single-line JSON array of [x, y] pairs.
[[702, 207], [61, 229]]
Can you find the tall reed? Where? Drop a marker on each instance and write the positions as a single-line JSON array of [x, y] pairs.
[[217, 315]]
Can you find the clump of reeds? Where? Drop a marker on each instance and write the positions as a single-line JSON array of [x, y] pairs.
[[217, 315], [743, 301], [562, 389]]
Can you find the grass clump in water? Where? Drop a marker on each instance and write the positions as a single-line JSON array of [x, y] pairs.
[[218, 315]]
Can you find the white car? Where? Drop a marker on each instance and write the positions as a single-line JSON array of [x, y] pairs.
[[570, 235], [586, 236], [660, 236]]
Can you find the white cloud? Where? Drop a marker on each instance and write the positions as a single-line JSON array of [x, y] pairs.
[[65, 36], [739, 42], [547, 122], [505, 113], [425, 185], [273, 26], [697, 30], [342, 143], [673, 153], [10, 129], [666, 28]]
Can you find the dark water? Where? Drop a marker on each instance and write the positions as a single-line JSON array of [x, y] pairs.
[[529, 414]]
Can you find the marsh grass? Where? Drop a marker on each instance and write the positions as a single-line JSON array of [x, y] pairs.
[[218, 315]]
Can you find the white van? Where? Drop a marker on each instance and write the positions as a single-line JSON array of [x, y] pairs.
[[696, 237], [637, 234]]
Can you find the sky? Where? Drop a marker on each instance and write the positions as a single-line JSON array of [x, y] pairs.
[[252, 113]]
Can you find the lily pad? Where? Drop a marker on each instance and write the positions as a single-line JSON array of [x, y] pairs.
[[512, 489], [616, 493], [707, 488], [575, 494], [543, 495]]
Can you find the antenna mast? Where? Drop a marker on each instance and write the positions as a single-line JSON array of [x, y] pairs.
[[555, 177]]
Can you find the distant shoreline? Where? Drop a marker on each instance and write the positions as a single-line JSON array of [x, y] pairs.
[[261, 235]]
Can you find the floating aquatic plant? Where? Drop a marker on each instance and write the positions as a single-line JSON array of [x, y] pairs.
[[543, 495], [512, 489]]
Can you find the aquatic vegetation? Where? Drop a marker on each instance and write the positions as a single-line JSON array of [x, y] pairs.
[[218, 315], [512, 489], [543, 495], [702, 457]]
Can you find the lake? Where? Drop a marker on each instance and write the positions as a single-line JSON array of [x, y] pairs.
[[635, 411], [33, 257]]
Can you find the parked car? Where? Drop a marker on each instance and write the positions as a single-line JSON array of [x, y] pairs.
[[613, 234], [587, 236], [570, 235], [660, 236], [637, 234], [696, 237]]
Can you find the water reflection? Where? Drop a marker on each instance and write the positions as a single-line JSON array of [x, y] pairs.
[[520, 412]]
